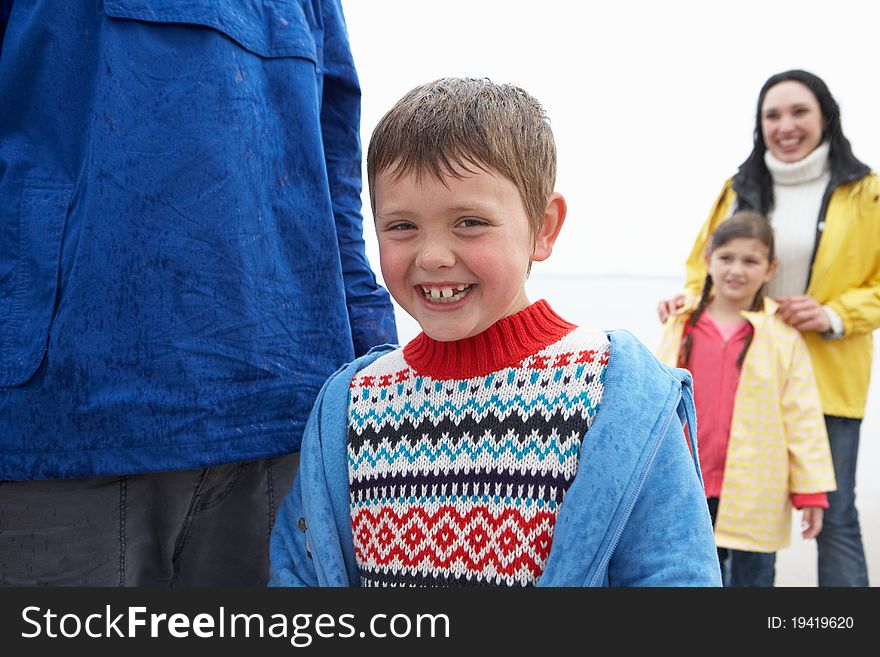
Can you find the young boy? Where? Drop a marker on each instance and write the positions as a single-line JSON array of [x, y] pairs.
[[503, 446]]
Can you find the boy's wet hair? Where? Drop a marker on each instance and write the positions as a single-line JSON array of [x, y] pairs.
[[744, 224], [468, 124]]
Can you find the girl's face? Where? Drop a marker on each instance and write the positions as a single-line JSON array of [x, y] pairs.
[[739, 268], [791, 121]]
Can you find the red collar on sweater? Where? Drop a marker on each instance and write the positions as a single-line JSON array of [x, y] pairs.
[[507, 342]]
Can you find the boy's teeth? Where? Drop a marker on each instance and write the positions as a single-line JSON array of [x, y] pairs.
[[445, 294]]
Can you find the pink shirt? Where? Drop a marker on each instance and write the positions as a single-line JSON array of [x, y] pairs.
[[715, 348], [712, 362]]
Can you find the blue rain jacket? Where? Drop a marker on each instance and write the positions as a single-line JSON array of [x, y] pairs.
[[635, 514], [181, 256]]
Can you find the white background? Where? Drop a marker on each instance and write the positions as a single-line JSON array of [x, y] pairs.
[[652, 103]]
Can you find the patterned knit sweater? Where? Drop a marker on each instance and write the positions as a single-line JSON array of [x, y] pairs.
[[460, 453]]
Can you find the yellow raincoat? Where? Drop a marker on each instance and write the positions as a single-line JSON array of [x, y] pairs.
[[845, 276], [778, 443]]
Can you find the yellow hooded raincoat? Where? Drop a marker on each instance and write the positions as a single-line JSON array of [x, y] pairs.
[[778, 443]]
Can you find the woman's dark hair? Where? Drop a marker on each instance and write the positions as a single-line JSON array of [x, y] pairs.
[[742, 224], [753, 183]]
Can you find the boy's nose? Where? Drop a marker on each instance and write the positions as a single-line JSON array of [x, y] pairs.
[[435, 256]]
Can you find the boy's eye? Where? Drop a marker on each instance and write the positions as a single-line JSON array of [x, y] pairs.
[[400, 225], [469, 222]]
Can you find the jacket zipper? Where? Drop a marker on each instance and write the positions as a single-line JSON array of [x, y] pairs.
[[303, 527], [632, 501], [319, 570]]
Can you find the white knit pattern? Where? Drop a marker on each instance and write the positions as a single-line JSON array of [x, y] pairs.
[[798, 188]]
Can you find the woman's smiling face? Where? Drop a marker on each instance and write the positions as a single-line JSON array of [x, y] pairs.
[[791, 121]]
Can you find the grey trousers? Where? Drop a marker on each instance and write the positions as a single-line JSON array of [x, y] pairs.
[[202, 527]]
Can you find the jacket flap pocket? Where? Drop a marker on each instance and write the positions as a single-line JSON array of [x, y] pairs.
[[267, 29], [33, 284]]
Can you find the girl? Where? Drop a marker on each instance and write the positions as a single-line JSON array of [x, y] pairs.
[[763, 444]]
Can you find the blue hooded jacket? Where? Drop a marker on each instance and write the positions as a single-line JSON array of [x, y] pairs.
[[181, 256], [635, 514]]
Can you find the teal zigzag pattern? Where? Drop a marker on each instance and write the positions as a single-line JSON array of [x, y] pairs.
[[476, 408], [505, 450]]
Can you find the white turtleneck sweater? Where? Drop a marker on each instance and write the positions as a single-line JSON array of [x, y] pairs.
[[798, 188]]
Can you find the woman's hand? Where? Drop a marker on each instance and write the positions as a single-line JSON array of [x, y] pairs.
[[811, 521], [803, 313], [668, 306]]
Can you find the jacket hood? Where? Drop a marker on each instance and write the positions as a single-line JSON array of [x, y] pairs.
[[690, 304]]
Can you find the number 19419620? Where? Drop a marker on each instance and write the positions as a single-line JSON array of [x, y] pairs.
[[810, 623]]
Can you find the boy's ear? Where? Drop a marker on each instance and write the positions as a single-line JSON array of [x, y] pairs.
[[554, 217]]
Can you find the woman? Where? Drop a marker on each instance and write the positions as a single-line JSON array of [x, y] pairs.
[[824, 205]]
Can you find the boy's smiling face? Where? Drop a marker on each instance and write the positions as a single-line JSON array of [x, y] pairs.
[[455, 253]]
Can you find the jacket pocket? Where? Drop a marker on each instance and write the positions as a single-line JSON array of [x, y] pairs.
[[267, 29], [33, 283]]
